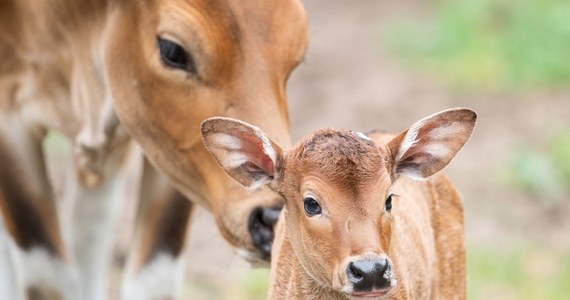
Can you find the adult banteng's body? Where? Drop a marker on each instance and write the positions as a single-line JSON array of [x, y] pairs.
[[112, 74]]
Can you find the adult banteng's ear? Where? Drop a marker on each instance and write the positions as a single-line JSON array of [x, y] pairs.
[[242, 150]]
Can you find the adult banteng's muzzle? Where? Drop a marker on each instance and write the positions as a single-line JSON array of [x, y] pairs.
[[260, 227]]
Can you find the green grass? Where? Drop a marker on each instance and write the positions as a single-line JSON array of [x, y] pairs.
[[522, 273], [489, 44]]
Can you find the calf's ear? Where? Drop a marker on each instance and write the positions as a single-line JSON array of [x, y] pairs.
[[430, 144], [242, 150]]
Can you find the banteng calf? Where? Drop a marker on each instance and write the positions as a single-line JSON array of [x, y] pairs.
[[364, 217]]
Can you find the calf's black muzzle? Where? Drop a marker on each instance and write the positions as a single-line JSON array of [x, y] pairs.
[[369, 274]]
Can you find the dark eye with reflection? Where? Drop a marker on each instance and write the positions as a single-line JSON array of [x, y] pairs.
[[174, 55], [312, 207], [388, 203]]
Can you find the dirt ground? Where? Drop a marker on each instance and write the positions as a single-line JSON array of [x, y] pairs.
[[349, 80]]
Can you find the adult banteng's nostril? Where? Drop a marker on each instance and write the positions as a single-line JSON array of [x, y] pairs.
[[261, 223], [269, 216]]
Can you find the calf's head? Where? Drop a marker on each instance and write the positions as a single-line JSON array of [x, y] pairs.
[[337, 187], [172, 64]]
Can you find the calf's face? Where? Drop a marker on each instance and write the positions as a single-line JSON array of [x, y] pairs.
[[337, 190], [335, 184]]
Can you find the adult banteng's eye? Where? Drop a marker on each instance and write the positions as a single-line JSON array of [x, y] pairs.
[[312, 207], [175, 56], [388, 203]]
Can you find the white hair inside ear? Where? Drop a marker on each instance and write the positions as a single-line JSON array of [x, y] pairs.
[[242, 150], [430, 144]]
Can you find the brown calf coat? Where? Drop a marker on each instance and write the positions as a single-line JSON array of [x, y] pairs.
[[379, 199]]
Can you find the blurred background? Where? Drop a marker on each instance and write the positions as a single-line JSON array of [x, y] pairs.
[[385, 64]]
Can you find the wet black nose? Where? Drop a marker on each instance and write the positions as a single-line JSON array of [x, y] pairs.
[[367, 275], [261, 223]]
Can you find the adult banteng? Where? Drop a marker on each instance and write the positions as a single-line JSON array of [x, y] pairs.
[[111, 75]]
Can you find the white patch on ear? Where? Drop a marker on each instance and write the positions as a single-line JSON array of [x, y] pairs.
[[242, 150], [437, 149], [409, 140], [440, 133], [267, 148], [430, 144], [231, 142], [234, 160], [363, 136], [227, 141]]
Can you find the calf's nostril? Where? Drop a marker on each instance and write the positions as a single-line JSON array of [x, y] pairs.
[[367, 275], [353, 272]]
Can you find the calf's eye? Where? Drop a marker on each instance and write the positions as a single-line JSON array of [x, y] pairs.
[[312, 207]]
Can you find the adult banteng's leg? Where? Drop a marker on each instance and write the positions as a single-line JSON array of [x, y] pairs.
[[28, 209], [155, 267], [7, 279], [96, 213]]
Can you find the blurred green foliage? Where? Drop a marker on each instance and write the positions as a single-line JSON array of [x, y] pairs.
[[249, 284], [489, 44], [252, 286], [543, 170], [523, 273], [533, 172], [559, 149]]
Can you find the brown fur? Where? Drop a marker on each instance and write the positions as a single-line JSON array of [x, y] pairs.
[[169, 234], [337, 155], [42, 293], [350, 177], [423, 237], [28, 219], [92, 70]]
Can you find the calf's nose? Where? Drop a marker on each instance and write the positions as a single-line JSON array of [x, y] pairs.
[[369, 274]]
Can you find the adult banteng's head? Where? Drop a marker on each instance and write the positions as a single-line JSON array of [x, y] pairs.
[[172, 64]]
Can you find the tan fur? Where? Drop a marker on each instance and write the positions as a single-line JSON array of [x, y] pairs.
[[425, 239], [412, 230], [350, 177], [92, 70]]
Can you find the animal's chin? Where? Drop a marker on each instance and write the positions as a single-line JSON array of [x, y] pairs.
[[255, 259], [376, 294], [369, 295]]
